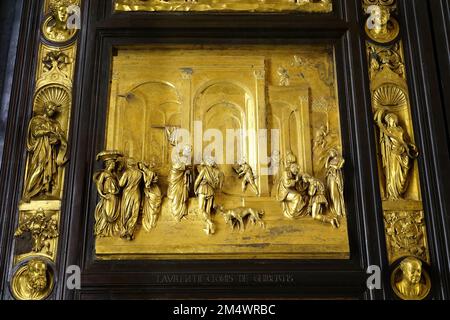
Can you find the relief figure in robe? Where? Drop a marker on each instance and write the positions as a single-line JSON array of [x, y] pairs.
[[318, 201], [47, 148], [131, 198], [288, 190], [209, 181], [397, 154], [179, 182], [335, 182], [152, 197], [107, 211]]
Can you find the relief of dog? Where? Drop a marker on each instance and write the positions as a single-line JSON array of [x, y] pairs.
[[239, 216]]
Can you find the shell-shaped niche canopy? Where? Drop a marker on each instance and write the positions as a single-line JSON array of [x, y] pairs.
[[57, 94], [390, 96]]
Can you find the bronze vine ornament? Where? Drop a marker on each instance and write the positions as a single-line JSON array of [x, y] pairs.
[[42, 226]]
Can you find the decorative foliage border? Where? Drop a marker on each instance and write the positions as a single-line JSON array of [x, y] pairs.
[[39, 211], [405, 227]]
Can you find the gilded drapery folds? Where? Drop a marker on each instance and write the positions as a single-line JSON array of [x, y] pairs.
[[271, 186], [47, 148], [137, 91], [397, 152]]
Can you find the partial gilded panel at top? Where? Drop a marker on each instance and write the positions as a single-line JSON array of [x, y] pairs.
[[312, 6]]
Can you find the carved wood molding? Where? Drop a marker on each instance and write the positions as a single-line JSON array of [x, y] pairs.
[[36, 237]]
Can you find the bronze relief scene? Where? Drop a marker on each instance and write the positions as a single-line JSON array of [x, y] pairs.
[[322, 6], [214, 152]]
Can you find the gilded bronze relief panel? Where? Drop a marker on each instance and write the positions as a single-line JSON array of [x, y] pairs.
[[222, 152], [225, 5]]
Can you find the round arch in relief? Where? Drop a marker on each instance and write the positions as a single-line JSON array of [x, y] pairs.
[[143, 98], [239, 118], [157, 82], [208, 84], [243, 110], [152, 111], [284, 116], [202, 88], [242, 120]]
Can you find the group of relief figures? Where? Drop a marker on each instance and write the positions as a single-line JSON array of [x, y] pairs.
[[121, 198], [122, 201], [304, 195]]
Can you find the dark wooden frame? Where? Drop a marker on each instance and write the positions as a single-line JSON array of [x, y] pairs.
[[103, 29]]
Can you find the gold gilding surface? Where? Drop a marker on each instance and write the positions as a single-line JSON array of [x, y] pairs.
[[158, 89], [37, 231], [225, 5]]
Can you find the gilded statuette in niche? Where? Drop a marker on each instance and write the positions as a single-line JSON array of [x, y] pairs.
[[225, 5], [58, 27], [410, 281], [224, 159], [32, 281], [46, 144], [397, 153]]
